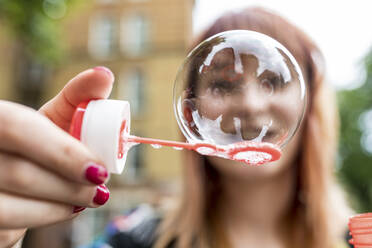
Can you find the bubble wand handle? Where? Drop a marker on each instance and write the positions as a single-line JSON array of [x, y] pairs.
[[150, 141], [236, 151], [184, 145]]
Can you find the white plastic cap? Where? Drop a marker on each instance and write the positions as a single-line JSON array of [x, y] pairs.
[[100, 131]]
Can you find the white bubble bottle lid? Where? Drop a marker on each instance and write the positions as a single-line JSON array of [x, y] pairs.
[[98, 124]]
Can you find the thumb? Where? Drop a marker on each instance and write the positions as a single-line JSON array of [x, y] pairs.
[[93, 83]]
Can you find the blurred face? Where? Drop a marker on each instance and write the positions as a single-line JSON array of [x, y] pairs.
[[249, 104]]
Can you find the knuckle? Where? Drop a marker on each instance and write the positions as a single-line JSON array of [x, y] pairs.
[[68, 151], [6, 126], [11, 121], [67, 159], [4, 216], [72, 157], [17, 178]]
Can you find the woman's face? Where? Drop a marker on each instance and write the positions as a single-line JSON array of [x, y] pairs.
[[253, 104]]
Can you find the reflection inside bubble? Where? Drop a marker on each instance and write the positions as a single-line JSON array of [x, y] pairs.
[[239, 86]]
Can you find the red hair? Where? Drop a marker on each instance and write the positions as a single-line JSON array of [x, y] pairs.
[[312, 220]]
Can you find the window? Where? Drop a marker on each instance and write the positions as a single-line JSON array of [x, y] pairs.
[[102, 36], [131, 88], [30, 81], [116, 1], [134, 34], [106, 1], [137, 1], [133, 166]]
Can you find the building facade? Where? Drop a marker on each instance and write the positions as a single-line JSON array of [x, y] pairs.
[[143, 42]]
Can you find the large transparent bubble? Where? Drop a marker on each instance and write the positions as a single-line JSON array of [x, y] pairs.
[[239, 86]]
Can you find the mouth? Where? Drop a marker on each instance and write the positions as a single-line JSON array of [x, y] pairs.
[[250, 129], [254, 131], [258, 132], [250, 133], [264, 132]]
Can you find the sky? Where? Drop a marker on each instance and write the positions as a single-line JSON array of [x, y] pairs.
[[342, 31]]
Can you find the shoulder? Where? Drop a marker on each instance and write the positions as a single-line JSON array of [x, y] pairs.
[[135, 229]]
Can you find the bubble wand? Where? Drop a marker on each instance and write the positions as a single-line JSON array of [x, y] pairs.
[[104, 126]]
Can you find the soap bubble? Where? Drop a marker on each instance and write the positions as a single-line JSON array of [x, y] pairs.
[[239, 86]]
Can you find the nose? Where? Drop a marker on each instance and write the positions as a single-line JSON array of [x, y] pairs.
[[253, 99]]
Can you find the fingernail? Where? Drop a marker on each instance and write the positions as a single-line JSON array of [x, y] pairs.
[[78, 209], [102, 195], [105, 69], [96, 173]]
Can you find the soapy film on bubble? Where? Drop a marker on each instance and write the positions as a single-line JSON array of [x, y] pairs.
[[239, 86]]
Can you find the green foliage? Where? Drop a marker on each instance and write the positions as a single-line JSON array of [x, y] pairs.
[[355, 160], [35, 25]]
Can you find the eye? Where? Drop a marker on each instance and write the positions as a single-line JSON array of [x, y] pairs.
[[267, 86], [222, 87]]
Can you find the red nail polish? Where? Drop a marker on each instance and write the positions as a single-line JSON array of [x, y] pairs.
[[105, 69], [78, 209], [102, 195], [96, 173]]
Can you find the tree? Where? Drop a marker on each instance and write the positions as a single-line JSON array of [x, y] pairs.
[[34, 26], [355, 153]]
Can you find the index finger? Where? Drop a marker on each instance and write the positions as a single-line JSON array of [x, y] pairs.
[[27, 133]]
